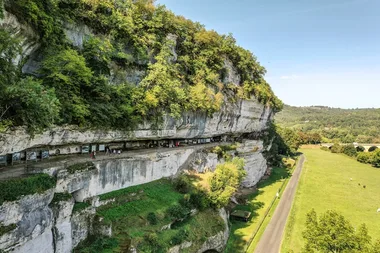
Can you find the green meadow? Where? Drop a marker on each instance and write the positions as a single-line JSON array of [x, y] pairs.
[[334, 182]]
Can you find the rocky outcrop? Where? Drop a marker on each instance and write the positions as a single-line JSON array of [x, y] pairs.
[[219, 241], [247, 116], [255, 162], [34, 221], [114, 174], [25, 34]]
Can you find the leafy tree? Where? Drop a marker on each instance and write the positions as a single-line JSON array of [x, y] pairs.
[[349, 150], [66, 71], [225, 181], [336, 148], [375, 159], [333, 233], [364, 157], [36, 106]]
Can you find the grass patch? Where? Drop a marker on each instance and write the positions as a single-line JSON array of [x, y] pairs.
[[257, 204], [139, 213], [98, 244], [13, 189], [58, 197], [6, 229], [80, 167], [325, 185], [79, 206]]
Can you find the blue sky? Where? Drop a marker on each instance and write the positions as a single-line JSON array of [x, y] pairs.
[[316, 52]]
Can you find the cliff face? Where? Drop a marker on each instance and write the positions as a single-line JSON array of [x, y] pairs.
[[46, 226], [43, 226]]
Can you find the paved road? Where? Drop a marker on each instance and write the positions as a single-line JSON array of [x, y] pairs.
[[271, 240]]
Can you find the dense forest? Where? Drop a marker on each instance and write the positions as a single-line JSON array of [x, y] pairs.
[[324, 124], [183, 66]]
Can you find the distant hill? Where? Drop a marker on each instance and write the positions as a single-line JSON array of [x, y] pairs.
[[345, 125]]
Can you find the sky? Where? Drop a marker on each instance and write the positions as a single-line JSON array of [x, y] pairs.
[[316, 52]]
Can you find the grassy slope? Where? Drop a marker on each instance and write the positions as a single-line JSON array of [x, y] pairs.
[[128, 216], [258, 204], [325, 184]]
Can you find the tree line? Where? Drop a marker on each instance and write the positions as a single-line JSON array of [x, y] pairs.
[[332, 125]]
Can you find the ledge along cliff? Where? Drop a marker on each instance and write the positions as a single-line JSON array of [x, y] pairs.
[[106, 76]]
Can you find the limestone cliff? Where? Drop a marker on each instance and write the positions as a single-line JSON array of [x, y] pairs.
[[44, 225]]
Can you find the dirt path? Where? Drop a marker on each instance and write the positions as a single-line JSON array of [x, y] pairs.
[[270, 242]]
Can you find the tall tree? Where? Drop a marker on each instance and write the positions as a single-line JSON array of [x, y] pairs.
[[333, 233]]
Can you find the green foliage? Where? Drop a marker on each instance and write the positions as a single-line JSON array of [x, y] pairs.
[[199, 199], [222, 151], [375, 159], [324, 148], [78, 167], [177, 212], [225, 181], [58, 197], [185, 66], [5, 229], [152, 218], [35, 106], [333, 124], [183, 184], [283, 142], [333, 233], [364, 157], [336, 148], [349, 150], [13, 189], [66, 71], [79, 206], [43, 16], [96, 244]]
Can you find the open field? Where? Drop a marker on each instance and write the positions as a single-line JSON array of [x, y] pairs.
[[325, 184], [258, 203]]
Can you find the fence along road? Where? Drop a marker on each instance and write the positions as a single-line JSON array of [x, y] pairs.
[[270, 242]]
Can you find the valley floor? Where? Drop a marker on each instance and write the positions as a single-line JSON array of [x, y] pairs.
[[334, 182]]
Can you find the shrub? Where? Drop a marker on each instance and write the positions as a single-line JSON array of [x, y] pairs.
[[364, 157], [349, 150], [376, 158], [183, 184], [179, 237], [6, 229], [152, 218], [336, 148], [324, 148], [177, 212], [58, 197], [199, 199], [79, 206], [12, 189], [373, 148]]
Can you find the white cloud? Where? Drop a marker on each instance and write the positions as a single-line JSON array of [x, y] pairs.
[[291, 77]]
